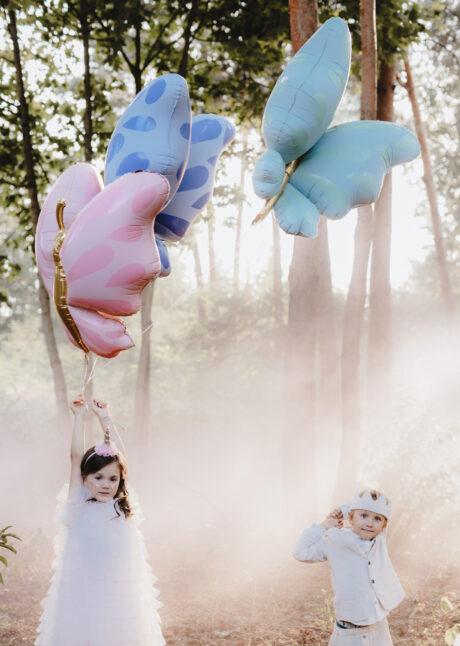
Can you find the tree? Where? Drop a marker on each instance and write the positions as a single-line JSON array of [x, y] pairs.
[[203, 42], [356, 297], [30, 183], [444, 278], [399, 25], [301, 330]]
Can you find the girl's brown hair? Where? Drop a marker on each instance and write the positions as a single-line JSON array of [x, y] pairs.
[[92, 463]]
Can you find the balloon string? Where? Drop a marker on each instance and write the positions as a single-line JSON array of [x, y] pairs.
[[269, 204], [146, 329], [87, 378]]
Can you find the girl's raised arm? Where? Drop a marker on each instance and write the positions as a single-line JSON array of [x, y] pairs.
[[77, 447], [101, 410]]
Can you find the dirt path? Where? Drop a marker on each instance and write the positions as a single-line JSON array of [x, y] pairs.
[[281, 607]]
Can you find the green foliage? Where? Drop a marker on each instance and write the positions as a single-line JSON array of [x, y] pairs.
[[5, 544], [451, 635], [399, 23]]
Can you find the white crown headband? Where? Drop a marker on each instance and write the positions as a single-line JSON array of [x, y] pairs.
[[365, 501]]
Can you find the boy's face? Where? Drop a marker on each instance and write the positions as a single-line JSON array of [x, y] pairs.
[[367, 524]]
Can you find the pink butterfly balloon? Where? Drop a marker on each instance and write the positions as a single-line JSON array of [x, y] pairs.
[[109, 253]]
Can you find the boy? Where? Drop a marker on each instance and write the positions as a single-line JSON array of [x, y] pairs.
[[365, 584]]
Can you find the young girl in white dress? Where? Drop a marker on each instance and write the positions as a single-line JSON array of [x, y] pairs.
[[101, 593]]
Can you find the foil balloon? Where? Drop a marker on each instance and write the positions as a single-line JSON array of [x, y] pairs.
[[309, 169], [153, 134], [76, 186], [210, 135], [104, 257]]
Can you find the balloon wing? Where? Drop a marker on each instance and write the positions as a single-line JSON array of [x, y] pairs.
[[109, 253], [344, 169], [210, 135], [306, 95], [77, 186], [153, 134], [330, 171]]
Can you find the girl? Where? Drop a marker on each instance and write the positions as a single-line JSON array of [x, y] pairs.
[[365, 585], [101, 593]]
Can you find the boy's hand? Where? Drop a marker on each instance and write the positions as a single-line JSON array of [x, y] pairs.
[[334, 519], [78, 406], [100, 408]]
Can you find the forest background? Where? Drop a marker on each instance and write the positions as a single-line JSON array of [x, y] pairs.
[[262, 390]]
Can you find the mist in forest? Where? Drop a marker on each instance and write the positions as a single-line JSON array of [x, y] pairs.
[[212, 481]]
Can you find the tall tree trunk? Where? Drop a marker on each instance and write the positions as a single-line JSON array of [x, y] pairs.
[[444, 278], [310, 306], [304, 286], [211, 247], [380, 316], [300, 377], [142, 401], [328, 415], [60, 388], [87, 138], [356, 297], [198, 274], [87, 118], [277, 285], [239, 215]]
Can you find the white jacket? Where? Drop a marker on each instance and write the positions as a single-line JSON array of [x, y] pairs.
[[362, 573]]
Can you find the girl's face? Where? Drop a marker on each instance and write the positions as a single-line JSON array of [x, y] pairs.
[[367, 524], [103, 484]]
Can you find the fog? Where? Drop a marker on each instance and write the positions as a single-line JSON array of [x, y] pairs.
[[211, 480]]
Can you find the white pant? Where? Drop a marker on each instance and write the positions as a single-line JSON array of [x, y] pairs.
[[376, 635]]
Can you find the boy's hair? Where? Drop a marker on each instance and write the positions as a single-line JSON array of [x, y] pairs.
[[92, 463], [374, 494]]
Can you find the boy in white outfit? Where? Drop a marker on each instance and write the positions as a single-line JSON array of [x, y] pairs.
[[365, 584]]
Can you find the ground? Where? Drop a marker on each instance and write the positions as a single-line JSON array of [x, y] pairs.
[[287, 605]]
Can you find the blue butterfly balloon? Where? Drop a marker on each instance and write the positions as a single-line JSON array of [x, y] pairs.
[[331, 171], [156, 133], [209, 136]]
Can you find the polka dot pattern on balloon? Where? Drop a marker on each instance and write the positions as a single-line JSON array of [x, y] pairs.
[[141, 122], [155, 91]]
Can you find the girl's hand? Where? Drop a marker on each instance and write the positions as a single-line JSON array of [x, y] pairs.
[[100, 408], [78, 406]]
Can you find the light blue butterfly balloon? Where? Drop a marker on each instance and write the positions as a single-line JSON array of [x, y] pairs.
[[210, 135], [336, 169]]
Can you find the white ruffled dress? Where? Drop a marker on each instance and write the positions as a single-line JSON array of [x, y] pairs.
[[101, 593]]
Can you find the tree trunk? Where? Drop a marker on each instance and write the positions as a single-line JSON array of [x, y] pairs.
[[239, 216], [310, 307], [328, 350], [444, 278], [356, 297], [300, 378], [87, 118], [60, 388], [142, 411], [211, 246], [379, 341], [87, 139], [277, 285], [304, 22], [198, 275]]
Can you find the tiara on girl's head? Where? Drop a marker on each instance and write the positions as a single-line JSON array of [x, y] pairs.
[[106, 449]]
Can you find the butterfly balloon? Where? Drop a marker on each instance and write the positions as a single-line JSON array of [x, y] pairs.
[[95, 245], [309, 169]]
